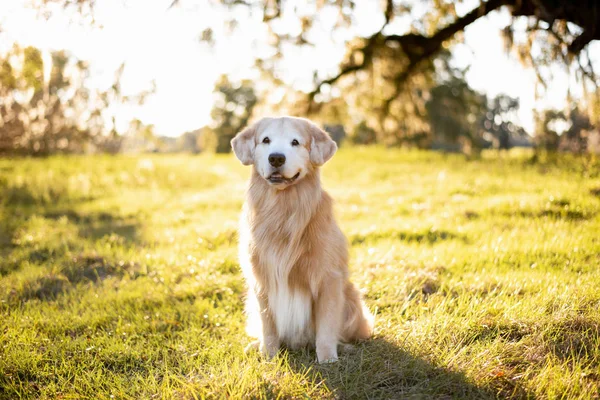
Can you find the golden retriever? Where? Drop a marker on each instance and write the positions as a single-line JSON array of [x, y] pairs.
[[292, 252]]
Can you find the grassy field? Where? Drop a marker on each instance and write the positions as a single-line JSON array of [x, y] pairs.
[[119, 279]]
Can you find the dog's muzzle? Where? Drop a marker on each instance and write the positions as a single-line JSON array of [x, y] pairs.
[[277, 178]]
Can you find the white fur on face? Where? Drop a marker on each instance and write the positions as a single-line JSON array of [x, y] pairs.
[[281, 133]]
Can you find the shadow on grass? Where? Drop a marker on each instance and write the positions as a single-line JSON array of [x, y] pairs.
[[380, 369], [559, 209], [429, 237], [63, 272], [570, 215], [99, 224], [573, 338], [90, 227], [83, 269]]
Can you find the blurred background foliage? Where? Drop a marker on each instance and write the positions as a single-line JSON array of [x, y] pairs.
[[390, 89], [46, 106]]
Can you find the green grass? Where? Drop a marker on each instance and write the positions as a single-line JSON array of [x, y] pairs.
[[119, 279]]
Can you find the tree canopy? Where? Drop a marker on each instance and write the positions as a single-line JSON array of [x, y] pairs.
[[561, 31], [394, 75]]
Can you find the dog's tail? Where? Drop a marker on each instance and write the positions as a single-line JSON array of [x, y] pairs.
[[358, 320]]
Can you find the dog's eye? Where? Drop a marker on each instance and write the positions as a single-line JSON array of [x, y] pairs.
[[266, 140], [295, 142]]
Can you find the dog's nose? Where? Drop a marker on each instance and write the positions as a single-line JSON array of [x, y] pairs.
[[276, 159]]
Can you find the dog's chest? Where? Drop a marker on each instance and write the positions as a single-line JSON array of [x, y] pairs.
[[292, 312], [277, 253], [290, 305]]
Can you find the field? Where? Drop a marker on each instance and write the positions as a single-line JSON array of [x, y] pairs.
[[119, 279]]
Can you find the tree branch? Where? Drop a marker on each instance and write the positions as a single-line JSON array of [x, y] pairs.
[[416, 47], [584, 13], [367, 53]]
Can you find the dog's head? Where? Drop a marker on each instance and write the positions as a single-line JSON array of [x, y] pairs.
[[283, 150]]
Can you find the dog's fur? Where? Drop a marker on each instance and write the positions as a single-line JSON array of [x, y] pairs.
[[292, 252]]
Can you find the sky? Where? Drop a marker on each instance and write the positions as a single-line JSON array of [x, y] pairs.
[[160, 44]]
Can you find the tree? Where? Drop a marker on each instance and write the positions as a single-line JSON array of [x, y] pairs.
[[557, 130], [46, 105], [363, 134], [497, 121], [390, 71], [34, 106], [454, 110], [547, 126], [593, 108], [234, 103], [206, 140], [548, 26], [574, 138], [188, 142]]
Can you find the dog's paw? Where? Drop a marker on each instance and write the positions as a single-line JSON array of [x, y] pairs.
[[252, 346], [328, 360], [269, 347], [327, 354]]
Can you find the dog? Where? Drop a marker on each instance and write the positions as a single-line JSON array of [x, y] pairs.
[[293, 254]]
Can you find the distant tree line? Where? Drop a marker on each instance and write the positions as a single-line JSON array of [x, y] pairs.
[[453, 117], [47, 107]]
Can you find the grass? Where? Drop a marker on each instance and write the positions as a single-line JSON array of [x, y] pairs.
[[119, 279]]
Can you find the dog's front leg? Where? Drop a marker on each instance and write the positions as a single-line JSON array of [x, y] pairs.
[[329, 312], [269, 343]]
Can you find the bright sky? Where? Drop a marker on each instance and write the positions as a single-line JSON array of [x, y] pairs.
[[163, 46]]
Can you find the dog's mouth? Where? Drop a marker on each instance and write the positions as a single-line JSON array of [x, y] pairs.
[[277, 178]]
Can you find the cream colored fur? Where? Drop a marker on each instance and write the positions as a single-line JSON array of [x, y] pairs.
[[292, 252]]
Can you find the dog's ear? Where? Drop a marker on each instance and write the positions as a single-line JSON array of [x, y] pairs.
[[322, 147], [243, 145]]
